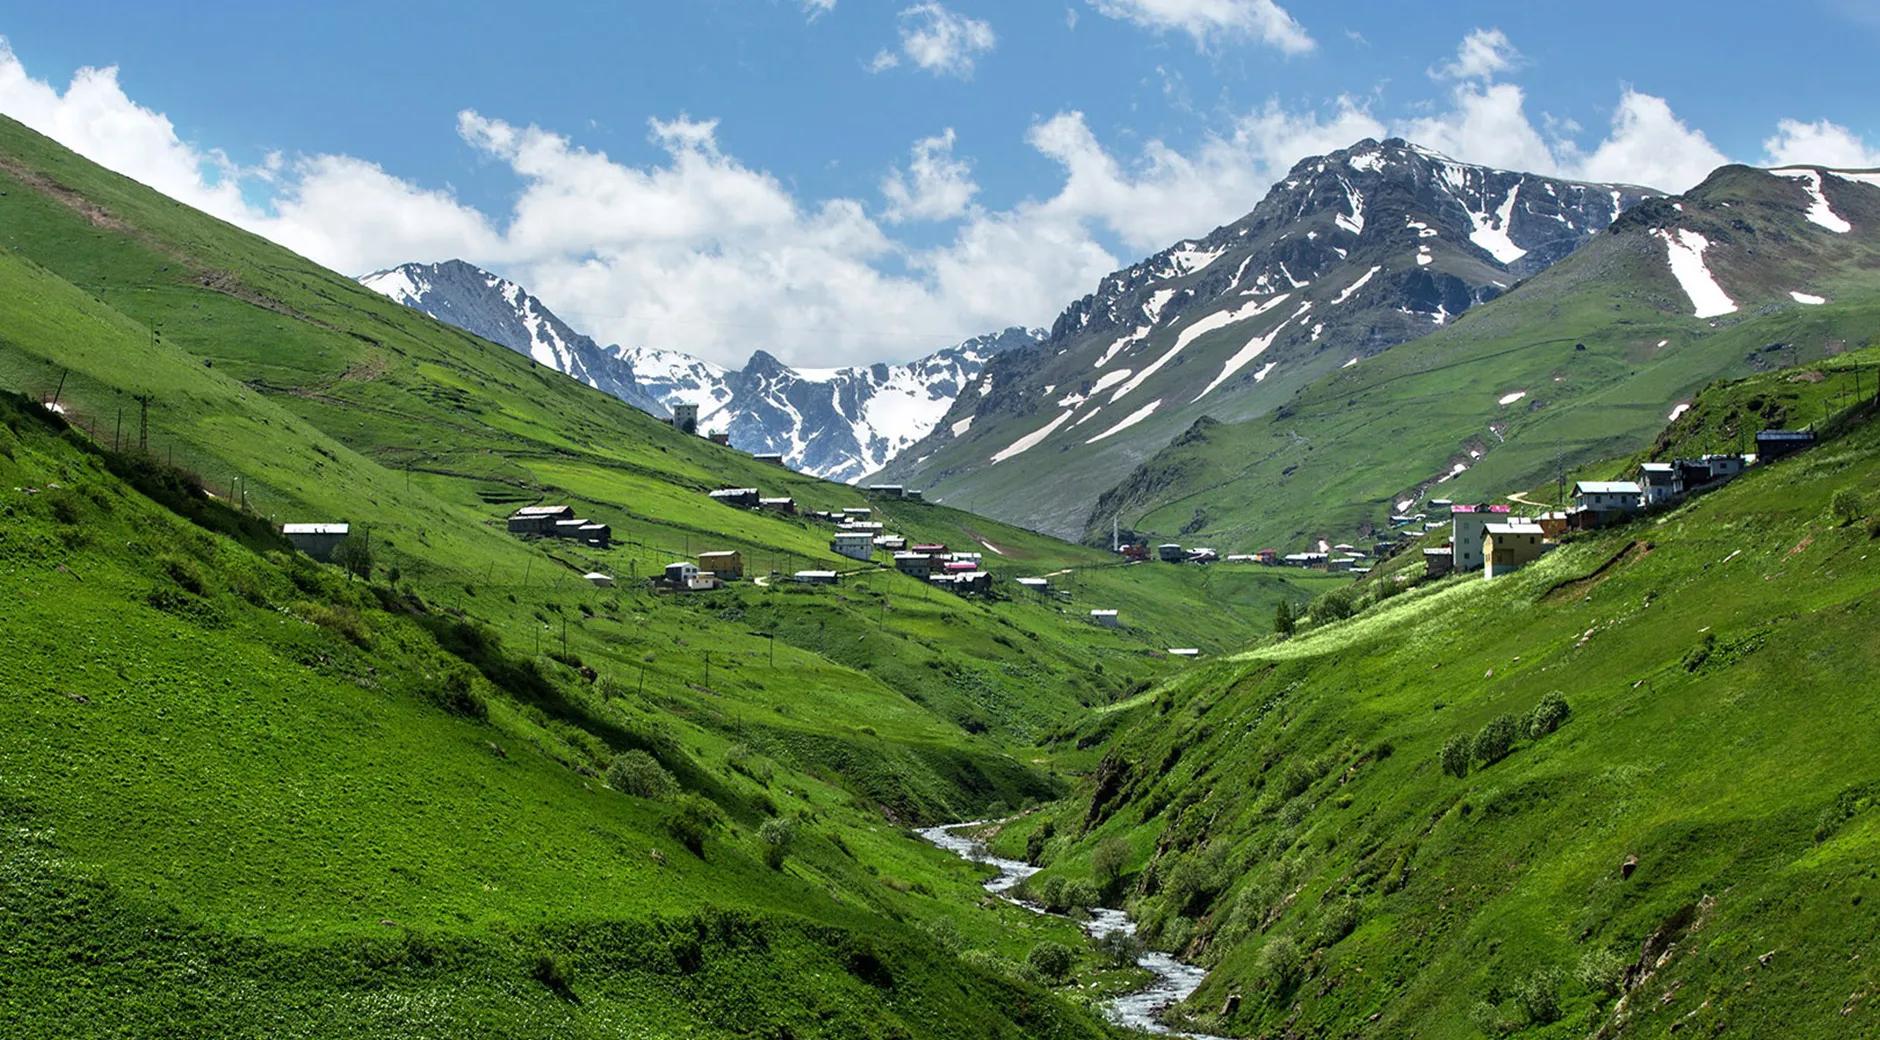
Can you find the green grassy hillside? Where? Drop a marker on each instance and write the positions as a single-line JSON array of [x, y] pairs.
[[1678, 831], [1582, 363], [246, 795]]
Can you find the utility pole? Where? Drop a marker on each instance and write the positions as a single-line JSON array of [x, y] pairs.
[[118, 433], [564, 635], [56, 394], [143, 426]]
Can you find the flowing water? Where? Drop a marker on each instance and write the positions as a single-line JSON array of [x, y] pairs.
[[1173, 980]]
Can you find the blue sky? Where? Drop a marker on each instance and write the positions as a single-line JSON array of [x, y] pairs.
[[855, 180]]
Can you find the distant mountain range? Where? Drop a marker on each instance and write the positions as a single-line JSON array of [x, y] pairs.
[[1352, 253], [840, 423]]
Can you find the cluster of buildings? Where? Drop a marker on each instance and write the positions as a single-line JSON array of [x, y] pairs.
[[559, 522], [935, 564]]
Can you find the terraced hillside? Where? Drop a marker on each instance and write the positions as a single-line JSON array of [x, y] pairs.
[[1583, 362], [1619, 793], [248, 796]]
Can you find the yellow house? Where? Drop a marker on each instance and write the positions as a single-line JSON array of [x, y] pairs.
[[1507, 548]]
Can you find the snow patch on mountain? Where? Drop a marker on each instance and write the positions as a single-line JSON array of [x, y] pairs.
[[1819, 212], [1685, 252]]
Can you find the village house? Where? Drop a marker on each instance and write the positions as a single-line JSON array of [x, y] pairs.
[[319, 541], [723, 440], [727, 564], [1169, 552], [856, 545], [959, 566], [1438, 561], [786, 506], [685, 418], [1725, 467], [1658, 483], [743, 498], [815, 577], [1598, 502], [599, 580], [912, 495], [1554, 523], [1038, 585], [1184, 651], [890, 542], [1509, 547], [538, 520], [918, 565], [1465, 532], [1269, 557], [770, 457], [599, 536], [858, 512], [1106, 618], [888, 490], [1774, 444], [964, 582], [930, 548], [681, 575], [1202, 554], [1338, 565]]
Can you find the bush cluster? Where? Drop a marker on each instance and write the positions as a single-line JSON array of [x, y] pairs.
[[1494, 741], [637, 773]]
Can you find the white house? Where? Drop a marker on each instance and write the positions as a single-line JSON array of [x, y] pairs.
[[1466, 524], [1106, 618], [856, 545]]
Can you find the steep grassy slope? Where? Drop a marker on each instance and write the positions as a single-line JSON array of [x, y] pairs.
[[329, 402], [1583, 363], [1689, 845], [227, 769], [243, 796]]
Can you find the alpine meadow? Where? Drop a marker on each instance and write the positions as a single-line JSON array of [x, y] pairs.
[[471, 566]]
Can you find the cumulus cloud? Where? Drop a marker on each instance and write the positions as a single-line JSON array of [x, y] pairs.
[[935, 185], [1210, 21], [1483, 54], [938, 40], [697, 250], [1820, 143]]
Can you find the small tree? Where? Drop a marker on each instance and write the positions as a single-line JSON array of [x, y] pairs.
[[777, 834], [1540, 996], [1333, 606], [692, 824], [1455, 755], [1051, 960], [1119, 948], [1283, 621], [1108, 862], [354, 556], [1547, 715], [1847, 506], [1280, 967], [1496, 739]]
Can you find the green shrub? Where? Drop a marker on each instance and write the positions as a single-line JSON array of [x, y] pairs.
[[1496, 739], [692, 823], [184, 572], [1079, 894], [1108, 862], [1455, 755], [1847, 507], [1283, 622], [1539, 996], [551, 972], [1280, 968], [1340, 920], [742, 759], [1119, 948], [1547, 715], [637, 773], [1051, 960], [777, 835], [457, 694], [1333, 606], [1601, 971], [942, 932]]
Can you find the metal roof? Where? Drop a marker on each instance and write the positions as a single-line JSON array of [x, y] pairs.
[[1516, 528], [1606, 487], [316, 528]]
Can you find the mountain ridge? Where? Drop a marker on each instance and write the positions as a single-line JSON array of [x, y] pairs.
[[841, 423], [1348, 255]]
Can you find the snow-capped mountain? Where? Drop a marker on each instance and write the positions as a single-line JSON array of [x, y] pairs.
[[499, 310], [841, 423], [1350, 254]]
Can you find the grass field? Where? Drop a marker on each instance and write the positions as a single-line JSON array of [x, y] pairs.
[[1286, 817]]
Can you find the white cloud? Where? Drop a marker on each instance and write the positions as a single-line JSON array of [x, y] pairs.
[[939, 40], [1648, 145], [1483, 54], [1820, 143], [1208, 21], [817, 8], [935, 186], [1486, 124]]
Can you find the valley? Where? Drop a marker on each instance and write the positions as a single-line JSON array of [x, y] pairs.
[[1437, 603]]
